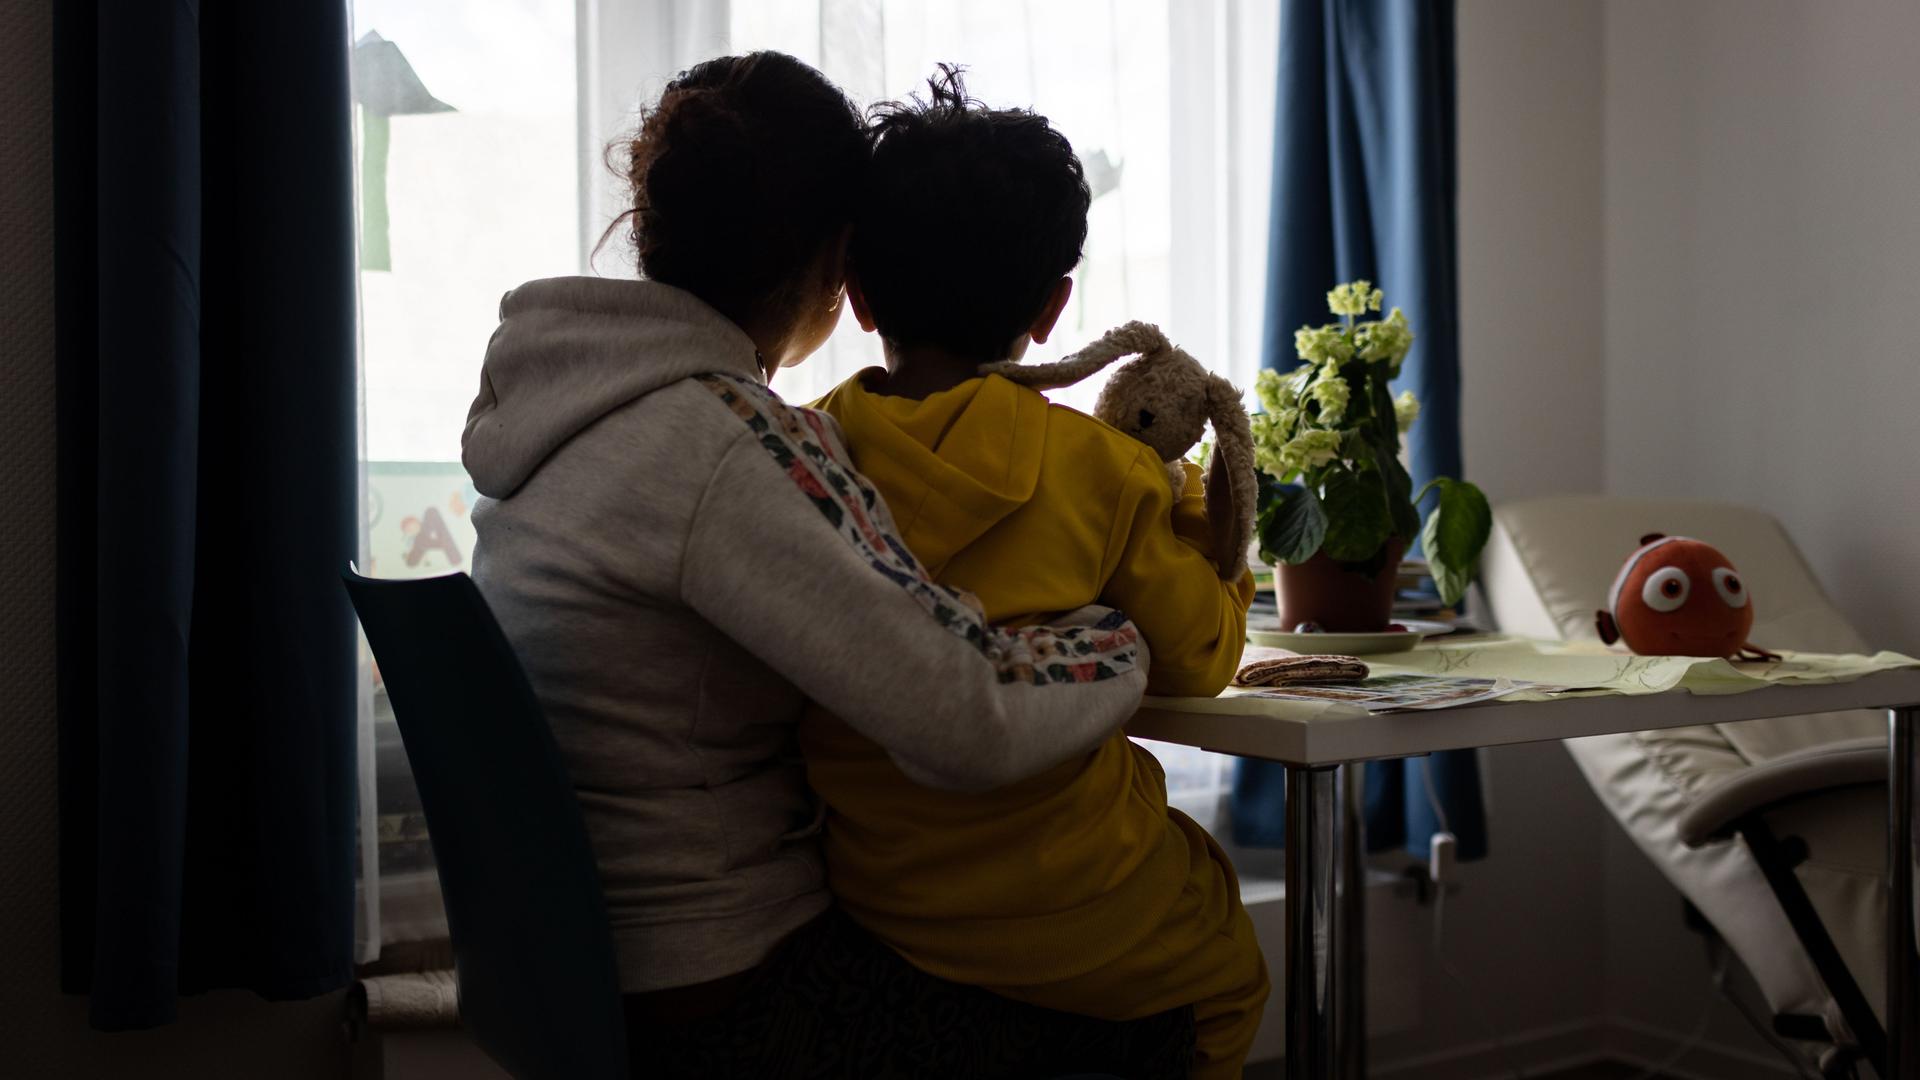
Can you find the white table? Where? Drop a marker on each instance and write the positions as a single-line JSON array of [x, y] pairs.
[[1326, 1025]]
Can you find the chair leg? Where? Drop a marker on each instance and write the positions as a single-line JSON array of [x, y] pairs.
[[1777, 860]]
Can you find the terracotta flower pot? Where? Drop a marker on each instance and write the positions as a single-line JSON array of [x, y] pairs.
[[1347, 598]]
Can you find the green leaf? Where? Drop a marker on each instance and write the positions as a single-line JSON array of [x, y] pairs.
[[1380, 410], [1455, 532], [1400, 500], [1357, 449], [1358, 521], [1383, 434], [1292, 527]]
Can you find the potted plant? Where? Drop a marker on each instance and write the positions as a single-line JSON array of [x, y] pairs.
[[1342, 510]]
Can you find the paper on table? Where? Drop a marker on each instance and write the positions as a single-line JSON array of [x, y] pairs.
[[1585, 667], [1543, 670], [1387, 693]]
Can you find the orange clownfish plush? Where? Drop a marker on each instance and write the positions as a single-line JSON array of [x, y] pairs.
[[1680, 597]]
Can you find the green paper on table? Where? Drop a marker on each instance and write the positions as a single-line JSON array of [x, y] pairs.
[[1588, 668]]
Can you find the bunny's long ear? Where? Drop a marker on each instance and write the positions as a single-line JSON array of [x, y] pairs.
[[1233, 451], [1134, 337]]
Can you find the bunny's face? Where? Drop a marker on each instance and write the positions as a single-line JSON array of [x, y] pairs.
[[1160, 400]]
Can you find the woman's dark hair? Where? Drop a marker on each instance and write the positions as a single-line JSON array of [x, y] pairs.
[[741, 174], [968, 218]]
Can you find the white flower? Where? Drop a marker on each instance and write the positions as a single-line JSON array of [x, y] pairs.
[[1311, 449], [1355, 298], [1403, 336], [1270, 435], [1332, 392], [1389, 339], [1320, 344], [1270, 389], [1298, 382], [1406, 409]]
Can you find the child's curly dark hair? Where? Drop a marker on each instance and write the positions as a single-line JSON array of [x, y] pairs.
[[741, 174], [968, 217]]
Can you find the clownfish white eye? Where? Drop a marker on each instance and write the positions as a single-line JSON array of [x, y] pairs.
[[1666, 589], [1730, 587]]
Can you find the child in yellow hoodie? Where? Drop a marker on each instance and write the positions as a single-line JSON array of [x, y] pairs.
[[1079, 889]]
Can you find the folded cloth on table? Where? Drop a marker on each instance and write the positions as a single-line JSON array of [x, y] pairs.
[[1293, 670]]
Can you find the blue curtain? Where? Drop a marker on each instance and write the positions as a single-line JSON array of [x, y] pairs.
[[1364, 187], [207, 427]]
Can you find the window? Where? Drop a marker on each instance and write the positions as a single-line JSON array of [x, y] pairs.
[[482, 126], [1103, 81], [465, 117], [1170, 107]]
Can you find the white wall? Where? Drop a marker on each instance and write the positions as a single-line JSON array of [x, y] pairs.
[[1763, 276], [1532, 366], [42, 1033]]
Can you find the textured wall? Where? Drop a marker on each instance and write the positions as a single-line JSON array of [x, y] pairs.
[[42, 1033], [27, 825]]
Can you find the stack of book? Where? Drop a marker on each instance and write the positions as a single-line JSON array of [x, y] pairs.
[[1416, 596]]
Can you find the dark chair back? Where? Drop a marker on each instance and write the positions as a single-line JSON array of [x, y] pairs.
[[539, 988]]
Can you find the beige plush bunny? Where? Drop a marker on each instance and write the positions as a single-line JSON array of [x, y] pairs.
[[1166, 399]]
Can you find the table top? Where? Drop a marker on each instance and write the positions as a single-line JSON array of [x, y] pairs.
[[1326, 734]]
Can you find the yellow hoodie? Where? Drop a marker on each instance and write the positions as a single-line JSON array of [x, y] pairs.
[[1081, 878]]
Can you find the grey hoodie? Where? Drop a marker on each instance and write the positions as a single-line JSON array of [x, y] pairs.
[[681, 562]]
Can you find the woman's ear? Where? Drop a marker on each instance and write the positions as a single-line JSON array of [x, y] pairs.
[[858, 300], [1050, 312]]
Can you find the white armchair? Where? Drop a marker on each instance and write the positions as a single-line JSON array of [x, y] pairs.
[[1752, 822]]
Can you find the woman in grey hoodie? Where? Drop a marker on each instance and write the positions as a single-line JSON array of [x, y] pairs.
[[682, 561]]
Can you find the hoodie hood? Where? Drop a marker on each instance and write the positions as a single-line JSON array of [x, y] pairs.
[[569, 351], [951, 465]]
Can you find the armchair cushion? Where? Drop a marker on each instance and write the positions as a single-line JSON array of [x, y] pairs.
[[1761, 787]]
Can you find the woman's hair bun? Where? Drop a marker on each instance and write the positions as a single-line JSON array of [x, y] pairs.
[[740, 175]]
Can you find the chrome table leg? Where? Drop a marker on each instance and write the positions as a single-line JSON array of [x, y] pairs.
[[1350, 930], [1313, 816]]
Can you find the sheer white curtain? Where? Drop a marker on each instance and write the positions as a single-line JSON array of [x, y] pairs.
[[1170, 105]]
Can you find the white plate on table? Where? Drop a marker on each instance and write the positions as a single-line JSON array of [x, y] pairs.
[[1390, 641]]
